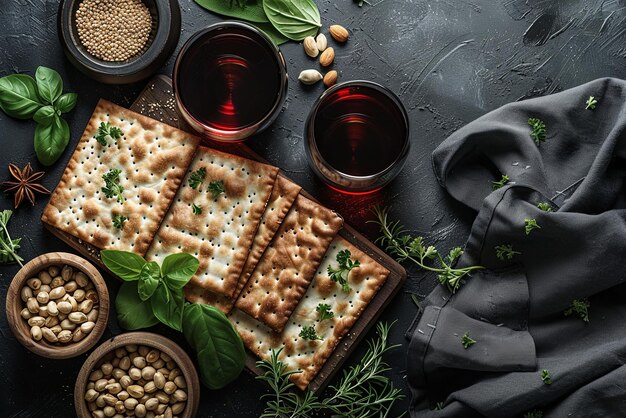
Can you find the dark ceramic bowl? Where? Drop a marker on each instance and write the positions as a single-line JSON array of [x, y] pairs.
[[161, 43]]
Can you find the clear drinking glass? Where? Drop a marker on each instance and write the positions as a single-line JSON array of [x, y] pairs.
[[357, 137], [230, 81]]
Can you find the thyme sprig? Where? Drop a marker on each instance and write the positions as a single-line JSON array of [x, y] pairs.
[[403, 246]]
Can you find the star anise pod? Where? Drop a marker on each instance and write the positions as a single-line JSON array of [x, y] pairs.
[[25, 185]]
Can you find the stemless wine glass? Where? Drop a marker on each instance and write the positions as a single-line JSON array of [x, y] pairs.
[[230, 81], [357, 137]]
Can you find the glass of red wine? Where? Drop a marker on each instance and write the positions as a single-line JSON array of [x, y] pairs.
[[230, 81], [357, 137]]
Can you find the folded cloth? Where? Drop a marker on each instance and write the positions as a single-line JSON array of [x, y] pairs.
[[519, 309]]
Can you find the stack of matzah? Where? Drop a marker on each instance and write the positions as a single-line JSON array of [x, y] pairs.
[[263, 248]]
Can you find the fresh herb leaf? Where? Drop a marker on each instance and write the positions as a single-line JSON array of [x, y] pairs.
[[167, 305], [495, 185], [324, 311], [149, 279], [591, 103], [308, 333], [534, 414], [197, 177], [439, 406], [295, 19], [538, 133], [45, 115], [107, 133], [467, 341], [405, 247], [505, 251], [124, 264], [49, 84], [579, 307], [197, 210], [178, 269], [545, 206], [252, 12], [66, 102], [341, 273], [545, 377], [132, 312], [216, 188], [118, 221], [220, 351], [19, 97], [530, 224], [8, 246], [112, 187], [51, 140]]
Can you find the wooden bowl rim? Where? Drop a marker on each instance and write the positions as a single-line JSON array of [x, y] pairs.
[[20, 328], [161, 343]]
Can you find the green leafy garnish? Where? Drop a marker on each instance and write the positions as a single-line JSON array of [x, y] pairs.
[[545, 377], [8, 246], [324, 311], [538, 133], [579, 307], [216, 188], [340, 274], [118, 221], [530, 224], [112, 187], [197, 210], [295, 19], [308, 333], [107, 133], [505, 251], [467, 341], [197, 177], [545, 206], [439, 406], [500, 183], [534, 414], [403, 246], [591, 103], [363, 391]]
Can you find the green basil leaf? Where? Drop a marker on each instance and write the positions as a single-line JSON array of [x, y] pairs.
[[252, 11], [296, 19], [178, 269], [49, 83], [167, 306], [66, 102], [220, 351], [149, 279], [124, 264], [45, 115], [132, 312], [267, 28], [51, 140], [18, 96]]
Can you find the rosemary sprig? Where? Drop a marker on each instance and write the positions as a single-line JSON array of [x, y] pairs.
[[402, 246], [8, 246]]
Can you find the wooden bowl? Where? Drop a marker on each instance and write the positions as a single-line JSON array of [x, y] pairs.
[[20, 327], [149, 339]]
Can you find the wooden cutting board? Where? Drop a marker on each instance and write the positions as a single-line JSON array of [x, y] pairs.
[[157, 101]]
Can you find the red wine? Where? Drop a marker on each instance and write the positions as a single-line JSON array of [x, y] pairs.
[[229, 80], [359, 131]]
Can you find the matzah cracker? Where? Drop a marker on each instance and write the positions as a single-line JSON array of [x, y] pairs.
[[283, 274], [221, 236], [153, 158], [310, 356]]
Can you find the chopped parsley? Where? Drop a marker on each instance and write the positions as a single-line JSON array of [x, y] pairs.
[[308, 333], [538, 133], [112, 187], [197, 210], [197, 177], [591, 103], [118, 221], [579, 307], [495, 185], [107, 133], [467, 341], [216, 188], [545, 377], [324, 311], [545, 206], [530, 224], [505, 251], [340, 274]]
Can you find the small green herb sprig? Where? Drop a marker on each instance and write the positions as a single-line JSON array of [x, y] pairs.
[[530, 224], [8, 246], [106, 132], [405, 247], [546, 378], [197, 177], [495, 185], [42, 99], [544, 206], [197, 210], [579, 307], [538, 133], [505, 251], [112, 187], [341, 273], [118, 221], [151, 294], [216, 188], [363, 391], [467, 341], [308, 333], [536, 413], [324, 312], [439, 406], [591, 103]]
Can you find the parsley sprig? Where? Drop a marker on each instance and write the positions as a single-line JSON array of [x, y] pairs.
[[216, 188], [538, 133], [467, 341], [112, 187], [8, 246], [579, 307], [591, 103], [530, 224], [340, 274], [197, 210], [324, 311], [197, 177], [403, 246], [107, 133], [308, 333], [495, 185], [505, 251], [118, 221], [544, 206], [546, 378]]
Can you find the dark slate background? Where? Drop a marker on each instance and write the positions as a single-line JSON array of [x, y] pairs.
[[450, 61]]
